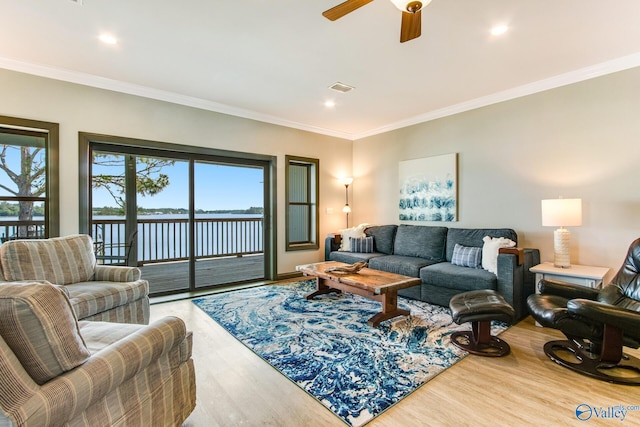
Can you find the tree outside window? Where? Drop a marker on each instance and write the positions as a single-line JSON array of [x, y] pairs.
[[23, 183], [29, 186]]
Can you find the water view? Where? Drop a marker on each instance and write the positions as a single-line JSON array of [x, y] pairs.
[[227, 199]]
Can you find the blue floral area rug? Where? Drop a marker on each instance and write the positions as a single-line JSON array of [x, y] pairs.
[[326, 347]]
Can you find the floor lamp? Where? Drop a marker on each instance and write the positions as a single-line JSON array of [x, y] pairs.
[[347, 209], [561, 213]]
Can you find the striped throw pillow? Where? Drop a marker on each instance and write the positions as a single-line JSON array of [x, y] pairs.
[[467, 256], [40, 327], [361, 244]]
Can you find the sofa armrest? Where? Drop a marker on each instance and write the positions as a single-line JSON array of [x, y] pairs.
[[519, 252], [331, 243], [73, 392], [16, 386], [116, 273], [511, 283], [515, 281], [531, 259]]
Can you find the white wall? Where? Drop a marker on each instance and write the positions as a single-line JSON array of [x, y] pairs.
[[577, 141], [83, 109], [581, 140]]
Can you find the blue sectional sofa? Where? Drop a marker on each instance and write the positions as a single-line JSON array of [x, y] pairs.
[[426, 252]]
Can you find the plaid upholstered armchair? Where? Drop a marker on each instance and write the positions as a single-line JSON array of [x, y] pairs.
[[97, 292], [58, 371]]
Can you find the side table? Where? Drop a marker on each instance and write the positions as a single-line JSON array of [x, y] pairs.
[[584, 275]]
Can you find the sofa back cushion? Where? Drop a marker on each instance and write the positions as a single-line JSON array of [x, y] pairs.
[[60, 260], [473, 237], [420, 241], [40, 327], [383, 237]]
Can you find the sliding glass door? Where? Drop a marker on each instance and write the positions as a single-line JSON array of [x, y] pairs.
[[188, 221], [229, 215], [163, 223]]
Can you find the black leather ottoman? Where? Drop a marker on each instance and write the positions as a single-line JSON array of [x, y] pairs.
[[480, 308]]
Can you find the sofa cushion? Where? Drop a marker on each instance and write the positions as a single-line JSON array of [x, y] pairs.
[[40, 327], [383, 237], [467, 256], [421, 242], [90, 298], [59, 260], [447, 275], [352, 257], [406, 265], [361, 244], [98, 335], [474, 236]]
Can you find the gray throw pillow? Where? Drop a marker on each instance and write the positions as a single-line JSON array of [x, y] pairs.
[[362, 244], [467, 256]]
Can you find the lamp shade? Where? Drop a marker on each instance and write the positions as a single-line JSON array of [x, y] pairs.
[[410, 6], [562, 212], [347, 181], [346, 209]]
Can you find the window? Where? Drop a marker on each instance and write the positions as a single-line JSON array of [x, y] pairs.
[[203, 215], [301, 183], [28, 179]]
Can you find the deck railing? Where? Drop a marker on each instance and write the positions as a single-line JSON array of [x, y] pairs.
[[11, 230], [161, 240]]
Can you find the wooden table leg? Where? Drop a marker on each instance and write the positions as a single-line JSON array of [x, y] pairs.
[[389, 308], [321, 288]]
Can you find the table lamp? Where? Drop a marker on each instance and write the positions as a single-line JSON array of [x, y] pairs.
[[561, 213]]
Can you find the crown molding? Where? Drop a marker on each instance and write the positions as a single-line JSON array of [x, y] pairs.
[[160, 95], [615, 65], [609, 67]]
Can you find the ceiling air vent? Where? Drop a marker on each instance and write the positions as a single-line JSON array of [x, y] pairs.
[[341, 87]]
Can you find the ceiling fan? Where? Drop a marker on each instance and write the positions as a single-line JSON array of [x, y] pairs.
[[411, 15]]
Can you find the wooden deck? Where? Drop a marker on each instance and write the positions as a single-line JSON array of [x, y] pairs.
[[174, 276]]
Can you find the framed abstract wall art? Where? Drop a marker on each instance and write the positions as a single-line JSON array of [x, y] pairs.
[[429, 189]]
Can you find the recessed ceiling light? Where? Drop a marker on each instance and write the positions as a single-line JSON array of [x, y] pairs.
[[499, 29], [108, 39], [330, 103]]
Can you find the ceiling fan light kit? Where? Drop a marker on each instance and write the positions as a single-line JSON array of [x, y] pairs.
[[410, 6], [411, 15]]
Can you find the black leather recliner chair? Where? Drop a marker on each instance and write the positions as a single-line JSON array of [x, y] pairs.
[[597, 322]]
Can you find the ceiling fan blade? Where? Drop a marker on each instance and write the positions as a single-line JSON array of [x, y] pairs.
[[411, 26], [343, 8]]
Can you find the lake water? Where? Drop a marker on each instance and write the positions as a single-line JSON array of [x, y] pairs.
[[168, 239]]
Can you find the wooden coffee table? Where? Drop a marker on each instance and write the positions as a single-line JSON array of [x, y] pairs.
[[373, 284]]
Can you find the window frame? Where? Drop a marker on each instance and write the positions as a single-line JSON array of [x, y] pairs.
[[313, 202], [87, 142], [50, 131]]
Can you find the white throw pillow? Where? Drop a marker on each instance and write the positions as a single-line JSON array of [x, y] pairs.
[[490, 251], [355, 232]]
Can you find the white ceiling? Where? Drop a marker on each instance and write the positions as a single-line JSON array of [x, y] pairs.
[[273, 60]]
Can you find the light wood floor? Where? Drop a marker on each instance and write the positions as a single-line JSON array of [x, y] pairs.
[[235, 387]]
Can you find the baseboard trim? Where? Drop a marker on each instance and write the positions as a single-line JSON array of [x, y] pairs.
[[291, 275]]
